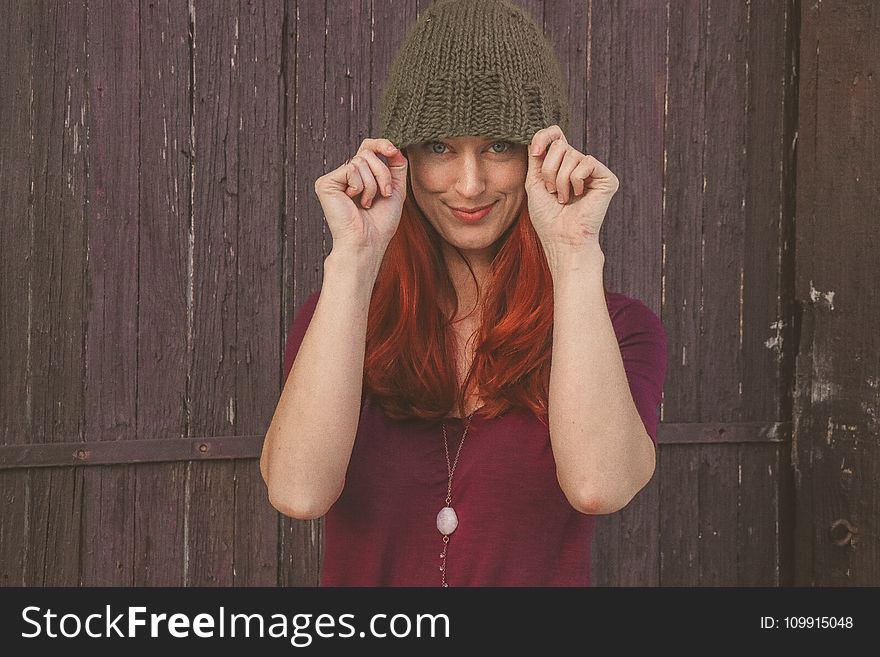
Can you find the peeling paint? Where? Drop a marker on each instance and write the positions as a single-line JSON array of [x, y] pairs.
[[815, 295], [775, 342]]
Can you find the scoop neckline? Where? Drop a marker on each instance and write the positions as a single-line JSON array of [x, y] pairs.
[[461, 419]]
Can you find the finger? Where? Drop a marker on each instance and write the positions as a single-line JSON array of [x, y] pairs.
[[367, 178], [354, 184], [563, 176], [384, 146], [542, 138], [580, 175], [379, 170], [551, 164], [603, 173], [595, 174]]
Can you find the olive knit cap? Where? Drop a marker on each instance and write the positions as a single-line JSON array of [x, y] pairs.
[[473, 67]]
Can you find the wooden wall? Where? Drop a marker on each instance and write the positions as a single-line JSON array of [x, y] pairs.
[[160, 229]]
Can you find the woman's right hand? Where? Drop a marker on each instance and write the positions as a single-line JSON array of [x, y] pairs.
[[359, 213]]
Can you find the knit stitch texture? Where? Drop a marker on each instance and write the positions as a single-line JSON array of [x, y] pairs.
[[473, 67]]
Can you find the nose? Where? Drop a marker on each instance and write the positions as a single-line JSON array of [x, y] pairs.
[[471, 181]]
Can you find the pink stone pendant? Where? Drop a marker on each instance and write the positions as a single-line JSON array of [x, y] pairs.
[[447, 520]]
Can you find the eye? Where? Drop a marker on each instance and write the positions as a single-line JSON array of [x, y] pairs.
[[431, 145], [503, 143]]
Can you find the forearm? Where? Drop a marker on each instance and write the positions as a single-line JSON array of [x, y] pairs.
[[311, 435], [603, 454]]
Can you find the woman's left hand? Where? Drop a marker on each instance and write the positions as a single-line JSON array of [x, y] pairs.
[[568, 192]]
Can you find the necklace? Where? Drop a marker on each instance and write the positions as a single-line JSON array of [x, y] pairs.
[[447, 520]]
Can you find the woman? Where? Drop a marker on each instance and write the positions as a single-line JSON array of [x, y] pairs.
[[463, 395]]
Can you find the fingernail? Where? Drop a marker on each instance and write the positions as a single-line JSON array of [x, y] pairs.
[[388, 191]]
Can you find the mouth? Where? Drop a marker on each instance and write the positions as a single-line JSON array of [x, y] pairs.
[[474, 214]]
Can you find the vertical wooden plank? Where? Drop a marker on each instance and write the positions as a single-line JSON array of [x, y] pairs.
[[632, 230], [835, 450], [787, 289], [306, 237], [605, 556], [768, 270], [57, 285], [682, 217], [165, 160], [682, 285], [802, 419], [111, 339], [16, 162], [721, 299], [258, 294], [216, 116]]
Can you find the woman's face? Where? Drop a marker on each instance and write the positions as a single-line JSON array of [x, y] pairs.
[[468, 173]]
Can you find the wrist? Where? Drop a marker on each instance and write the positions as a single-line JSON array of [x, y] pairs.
[[564, 259], [358, 269]]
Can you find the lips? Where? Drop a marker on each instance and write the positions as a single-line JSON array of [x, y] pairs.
[[472, 216], [471, 210]]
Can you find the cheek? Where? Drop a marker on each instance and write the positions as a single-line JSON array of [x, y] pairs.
[[425, 179]]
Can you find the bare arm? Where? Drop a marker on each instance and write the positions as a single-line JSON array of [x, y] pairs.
[[603, 454], [308, 445]]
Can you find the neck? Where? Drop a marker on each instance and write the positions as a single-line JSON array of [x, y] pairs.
[[468, 286]]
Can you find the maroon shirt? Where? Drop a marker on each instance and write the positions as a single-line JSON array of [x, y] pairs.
[[516, 528]]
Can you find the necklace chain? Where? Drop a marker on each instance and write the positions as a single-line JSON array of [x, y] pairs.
[[450, 469]]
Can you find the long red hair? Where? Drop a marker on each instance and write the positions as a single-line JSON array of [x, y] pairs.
[[410, 361]]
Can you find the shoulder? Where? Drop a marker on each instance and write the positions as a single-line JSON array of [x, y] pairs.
[[630, 315]]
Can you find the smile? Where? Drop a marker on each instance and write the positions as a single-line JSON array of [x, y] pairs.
[[472, 216]]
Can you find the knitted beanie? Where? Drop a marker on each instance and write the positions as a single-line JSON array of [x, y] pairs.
[[473, 67]]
